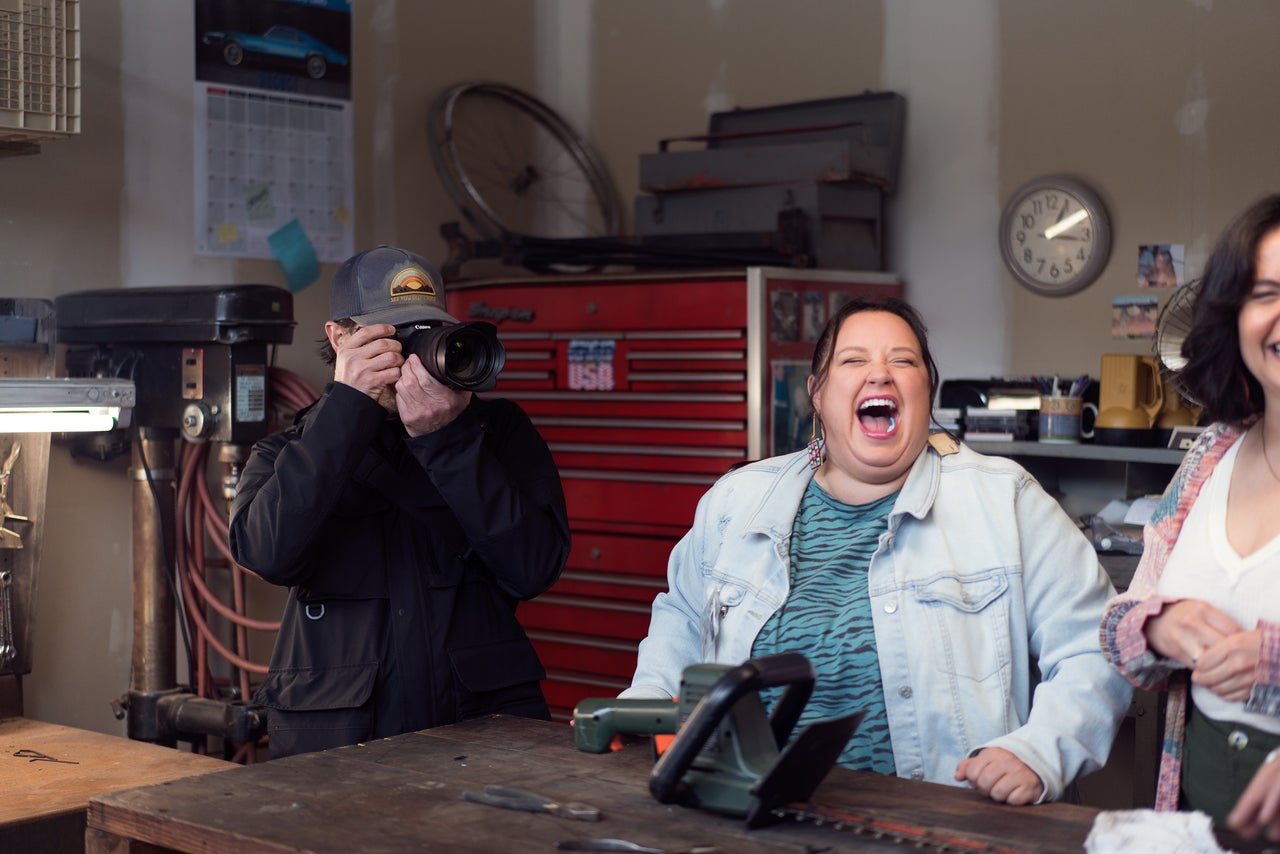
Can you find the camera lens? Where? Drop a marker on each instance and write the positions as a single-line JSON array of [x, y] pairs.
[[465, 356], [469, 356]]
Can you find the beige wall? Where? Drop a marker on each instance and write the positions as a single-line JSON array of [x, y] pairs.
[[60, 231], [112, 207], [1163, 108], [660, 68], [998, 91]]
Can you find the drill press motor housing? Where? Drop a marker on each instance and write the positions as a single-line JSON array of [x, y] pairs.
[[198, 355]]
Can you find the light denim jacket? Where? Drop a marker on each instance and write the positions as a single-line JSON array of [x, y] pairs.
[[980, 579]]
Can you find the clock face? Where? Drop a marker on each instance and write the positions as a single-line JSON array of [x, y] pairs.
[[1055, 236]]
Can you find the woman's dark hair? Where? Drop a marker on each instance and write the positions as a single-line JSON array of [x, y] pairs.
[[1215, 374], [325, 349], [824, 350]]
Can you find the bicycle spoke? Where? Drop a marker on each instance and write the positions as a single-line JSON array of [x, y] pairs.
[[508, 159]]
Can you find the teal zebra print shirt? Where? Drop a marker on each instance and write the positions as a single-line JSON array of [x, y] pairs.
[[827, 617]]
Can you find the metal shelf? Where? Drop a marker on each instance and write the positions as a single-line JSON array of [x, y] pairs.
[[1071, 451], [1085, 477]]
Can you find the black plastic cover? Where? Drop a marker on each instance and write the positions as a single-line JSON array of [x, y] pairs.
[[225, 314]]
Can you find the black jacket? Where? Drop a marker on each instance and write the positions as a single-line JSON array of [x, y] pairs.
[[406, 558]]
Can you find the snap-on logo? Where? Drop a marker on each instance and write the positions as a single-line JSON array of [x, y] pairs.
[[412, 282], [498, 313]]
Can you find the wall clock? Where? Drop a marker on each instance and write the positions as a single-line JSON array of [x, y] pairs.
[[1054, 235]]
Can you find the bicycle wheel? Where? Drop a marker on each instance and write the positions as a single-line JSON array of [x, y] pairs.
[[513, 165]]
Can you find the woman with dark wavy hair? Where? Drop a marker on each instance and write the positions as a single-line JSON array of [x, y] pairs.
[[1216, 373], [1202, 616]]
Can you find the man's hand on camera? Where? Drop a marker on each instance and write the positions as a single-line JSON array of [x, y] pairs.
[[368, 359], [425, 405]]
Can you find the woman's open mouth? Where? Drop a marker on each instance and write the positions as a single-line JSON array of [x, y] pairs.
[[878, 416]]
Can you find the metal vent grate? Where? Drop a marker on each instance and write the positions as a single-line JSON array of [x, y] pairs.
[[39, 69]]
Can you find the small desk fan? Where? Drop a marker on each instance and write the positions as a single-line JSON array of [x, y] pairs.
[[1172, 325]]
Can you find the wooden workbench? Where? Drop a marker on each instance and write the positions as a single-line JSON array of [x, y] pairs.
[[405, 794], [48, 773]]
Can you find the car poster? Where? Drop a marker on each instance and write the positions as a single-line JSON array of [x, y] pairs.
[[273, 132]]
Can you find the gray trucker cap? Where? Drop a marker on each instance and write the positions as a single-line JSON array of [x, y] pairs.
[[387, 285]]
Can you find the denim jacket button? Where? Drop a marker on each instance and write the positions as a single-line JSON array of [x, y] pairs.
[[917, 774], [904, 691], [1237, 740], [890, 607]]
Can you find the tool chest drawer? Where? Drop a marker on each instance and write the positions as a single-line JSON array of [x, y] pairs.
[[596, 553], [623, 497], [586, 616], [601, 656], [646, 388]]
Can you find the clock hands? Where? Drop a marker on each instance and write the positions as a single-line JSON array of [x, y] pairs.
[[1063, 224], [1062, 211], [1066, 206]]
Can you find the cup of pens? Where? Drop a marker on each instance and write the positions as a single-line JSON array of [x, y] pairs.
[[1062, 408]]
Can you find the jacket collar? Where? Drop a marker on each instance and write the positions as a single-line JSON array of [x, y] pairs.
[[921, 487], [775, 511]]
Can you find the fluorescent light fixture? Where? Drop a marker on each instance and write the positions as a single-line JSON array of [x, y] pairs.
[[65, 405], [1059, 227]]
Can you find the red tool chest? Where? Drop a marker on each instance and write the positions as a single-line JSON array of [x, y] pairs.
[[647, 387]]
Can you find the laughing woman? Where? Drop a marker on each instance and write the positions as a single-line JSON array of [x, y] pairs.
[[932, 586], [1201, 619]]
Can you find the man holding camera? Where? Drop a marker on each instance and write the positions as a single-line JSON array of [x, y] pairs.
[[408, 516]]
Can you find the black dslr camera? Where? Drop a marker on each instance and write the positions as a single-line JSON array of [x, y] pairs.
[[463, 356]]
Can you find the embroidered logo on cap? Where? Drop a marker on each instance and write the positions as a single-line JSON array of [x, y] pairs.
[[410, 283]]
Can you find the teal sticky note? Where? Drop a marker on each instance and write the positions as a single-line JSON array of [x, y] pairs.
[[294, 251]]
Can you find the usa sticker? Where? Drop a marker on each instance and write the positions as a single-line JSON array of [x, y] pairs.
[[591, 365]]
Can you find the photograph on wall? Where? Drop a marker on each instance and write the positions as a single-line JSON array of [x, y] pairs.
[[815, 316], [792, 418], [1134, 317], [1161, 265], [273, 132], [784, 317], [836, 301]]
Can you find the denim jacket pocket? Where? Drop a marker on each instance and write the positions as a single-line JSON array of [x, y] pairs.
[[722, 598], [968, 619]]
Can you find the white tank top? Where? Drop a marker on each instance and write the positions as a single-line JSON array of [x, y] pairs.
[[1204, 566]]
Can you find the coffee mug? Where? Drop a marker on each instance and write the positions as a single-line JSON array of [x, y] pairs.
[[1061, 419]]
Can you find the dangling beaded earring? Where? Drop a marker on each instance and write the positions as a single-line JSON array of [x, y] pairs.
[[817, 444]]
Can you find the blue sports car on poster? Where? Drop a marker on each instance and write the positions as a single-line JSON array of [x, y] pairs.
[[281, 43]]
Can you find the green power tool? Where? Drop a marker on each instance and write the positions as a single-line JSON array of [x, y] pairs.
[[729, 756], [596, 720]]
